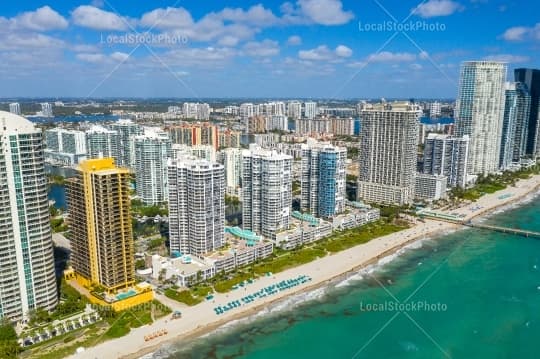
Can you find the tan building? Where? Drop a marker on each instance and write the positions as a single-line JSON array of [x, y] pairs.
[[102, 247], [257, 124]]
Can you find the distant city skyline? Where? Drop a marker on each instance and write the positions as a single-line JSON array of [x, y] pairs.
[[298, 49]]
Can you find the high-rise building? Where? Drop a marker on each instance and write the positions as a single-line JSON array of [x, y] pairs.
[[126, 129], [196, 206], [266, 191], [388, 152], [342, 126], [15, 108], [480, 113], [205, 152], [229, 138], [256, 124], [277, 122], [102, 246], [294, 109], [46, 110], [447, 156], [102, 143], [152, 150], [196, 111], [28, 280], [435, 109], [65, 146], [232, 161], [194, 134], [310, 110], [323, 180], [517, 106], [531, 78], [306, 126]]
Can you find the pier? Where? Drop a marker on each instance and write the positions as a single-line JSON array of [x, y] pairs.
[[515, 231], [449, 218]]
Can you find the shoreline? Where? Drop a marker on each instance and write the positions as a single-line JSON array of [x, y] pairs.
[[201, 320]]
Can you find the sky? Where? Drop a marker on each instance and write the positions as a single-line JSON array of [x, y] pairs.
[[262, 49]]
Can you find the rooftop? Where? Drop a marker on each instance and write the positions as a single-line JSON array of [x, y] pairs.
[[10, 123]]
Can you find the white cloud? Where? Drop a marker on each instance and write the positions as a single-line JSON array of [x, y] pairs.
[[325, 12], [92, 58], [119, 56], [294, 40], [257, 15], [228, 40], [167, 18], [386, 56], [508, 58], [97, 19], [521, 33], [42, 19], [323, 53], [262, 49], [100, 58], [343, 51], [19, 41], [434, 8]]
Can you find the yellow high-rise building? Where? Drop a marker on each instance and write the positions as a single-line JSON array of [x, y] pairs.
[[102, 246]]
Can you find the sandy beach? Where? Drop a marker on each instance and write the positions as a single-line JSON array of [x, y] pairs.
[[201, 319]]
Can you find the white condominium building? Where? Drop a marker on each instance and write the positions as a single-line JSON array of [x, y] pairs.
[[310, 110], [102, 143], [152, 150], [266, 191], [65, 146], [447, 156], [388, 152], [15, 108], [277, 122], [480, 112], [232, 161], [294, 109], [28, 279], [126, 129], [323, 180], [196, 206]]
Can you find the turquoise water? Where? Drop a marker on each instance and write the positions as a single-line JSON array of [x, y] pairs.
[[57, 193], [484, 289]]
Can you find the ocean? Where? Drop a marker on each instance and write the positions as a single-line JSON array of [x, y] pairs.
[[467, 294]]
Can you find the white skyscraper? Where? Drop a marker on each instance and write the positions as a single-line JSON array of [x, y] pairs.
[[15, 108], [28, 279], [151, 152], [310, 110], [196, 206], [232, 161], [65, 146], [46, 110], [266, 191], [126, 129], [447, 156], [294, 109], [480, 113], [323, 178], [102, 143], [388, 152]]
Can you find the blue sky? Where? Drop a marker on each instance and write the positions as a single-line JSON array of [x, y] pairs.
[[301, 48]]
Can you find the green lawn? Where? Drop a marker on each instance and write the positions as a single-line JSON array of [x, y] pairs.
[[190, 296]]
